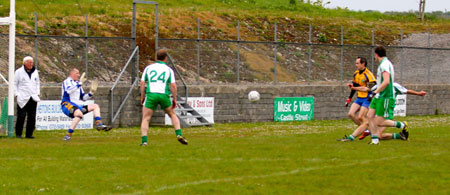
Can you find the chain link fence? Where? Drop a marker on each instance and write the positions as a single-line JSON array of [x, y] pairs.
[[102, 58], [420, 58]]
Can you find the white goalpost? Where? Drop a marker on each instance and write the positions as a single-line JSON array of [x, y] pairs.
[[11, 21]]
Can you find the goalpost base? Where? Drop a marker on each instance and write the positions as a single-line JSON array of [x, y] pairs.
[[10, 125], [11, 21]]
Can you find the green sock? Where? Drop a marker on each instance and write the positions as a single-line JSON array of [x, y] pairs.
[[178, 132], [144, 139], [398, 124], [351, 137], [396, 136]]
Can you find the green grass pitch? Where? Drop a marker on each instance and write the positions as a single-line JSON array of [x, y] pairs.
[[272, 157]]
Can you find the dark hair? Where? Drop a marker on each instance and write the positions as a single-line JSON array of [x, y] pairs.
[[380, 51], [362, 60], [161, 54]]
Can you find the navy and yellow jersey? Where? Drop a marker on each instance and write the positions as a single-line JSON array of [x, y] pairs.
[[362, 78]]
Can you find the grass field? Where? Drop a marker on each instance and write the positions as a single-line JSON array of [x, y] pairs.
[[283, 158]]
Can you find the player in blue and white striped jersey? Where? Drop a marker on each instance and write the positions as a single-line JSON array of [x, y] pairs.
[[72, 103]]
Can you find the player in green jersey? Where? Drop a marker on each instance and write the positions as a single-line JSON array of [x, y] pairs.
[[157, 83], [389, 123], [382, 105]]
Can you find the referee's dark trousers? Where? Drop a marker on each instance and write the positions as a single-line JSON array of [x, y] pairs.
[[30, 110]]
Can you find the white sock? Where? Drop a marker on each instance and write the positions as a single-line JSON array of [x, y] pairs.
[[375, 139]]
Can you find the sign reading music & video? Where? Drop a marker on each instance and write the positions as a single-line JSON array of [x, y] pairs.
[[293, 109], [49, 116]]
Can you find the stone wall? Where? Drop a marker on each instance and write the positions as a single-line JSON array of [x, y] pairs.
[[232, 105]]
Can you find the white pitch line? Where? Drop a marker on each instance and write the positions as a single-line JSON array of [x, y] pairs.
[[73, 158], [283, 173]]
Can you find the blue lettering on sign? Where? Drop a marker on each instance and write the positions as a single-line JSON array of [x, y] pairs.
[[84, 126], [43, 127], [45, 108], [56, 126]]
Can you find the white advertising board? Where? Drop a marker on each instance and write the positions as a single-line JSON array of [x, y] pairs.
[[400, 105], [49, 116], [203, 105]]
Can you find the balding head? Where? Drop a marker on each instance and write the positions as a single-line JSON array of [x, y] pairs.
[[74, 73]]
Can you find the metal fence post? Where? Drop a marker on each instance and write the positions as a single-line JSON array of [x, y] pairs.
[[238, 51], [111, 106], [371, 49], [133, 27], [137, 62], [198, 51], [275, 54], [133, 41], [309, 54], [156, 29], [87, 47], [36, 61], [428, 58], [401, 56], [342, 54]]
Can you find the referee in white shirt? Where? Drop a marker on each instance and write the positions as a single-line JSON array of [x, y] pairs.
[[27, 90]]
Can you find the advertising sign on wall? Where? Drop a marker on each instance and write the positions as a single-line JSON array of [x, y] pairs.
[[203, 105], [400, 105], [49, 116], [293, 109]]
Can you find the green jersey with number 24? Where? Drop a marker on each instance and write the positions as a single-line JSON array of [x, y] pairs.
[[158, 77]]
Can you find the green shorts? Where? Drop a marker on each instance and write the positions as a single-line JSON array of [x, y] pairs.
[[384, 107], [153, 99]]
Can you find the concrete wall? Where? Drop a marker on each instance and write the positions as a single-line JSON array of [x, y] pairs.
[[232, 105]]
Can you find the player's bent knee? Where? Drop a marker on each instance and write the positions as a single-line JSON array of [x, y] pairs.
[[361, 118], [169, 111], [351, 115], [371, 116], [78, 113]]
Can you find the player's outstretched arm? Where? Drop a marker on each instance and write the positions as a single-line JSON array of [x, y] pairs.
[[357, 87], [419, 93], [362, 88]]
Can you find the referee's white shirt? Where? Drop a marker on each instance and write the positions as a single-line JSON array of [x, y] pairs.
[[26, 87]]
